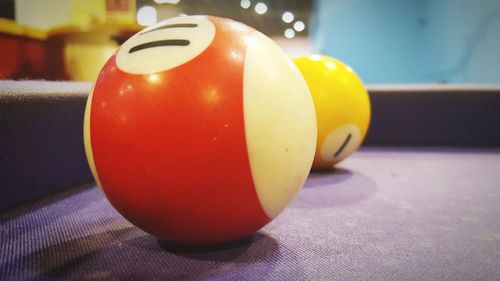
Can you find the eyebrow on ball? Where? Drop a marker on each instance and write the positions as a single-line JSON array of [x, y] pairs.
[[343, 146], [174, 25], [160, 43]]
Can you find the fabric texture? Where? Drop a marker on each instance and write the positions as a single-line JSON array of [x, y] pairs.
[[383, 214], [41, 139]]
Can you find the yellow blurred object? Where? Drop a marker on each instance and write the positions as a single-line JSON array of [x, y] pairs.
[[89, 12], [89, 46], [10, 27], [342, 107], [87, 49], [85, 54], [50, 14]]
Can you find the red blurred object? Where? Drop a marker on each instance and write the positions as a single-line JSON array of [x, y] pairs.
[[117, 5], [28, 53], [12, 60]]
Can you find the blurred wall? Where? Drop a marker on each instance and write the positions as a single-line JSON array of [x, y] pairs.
[[296, 47], [49, 14], [412, 41], [464, 40], [43, 14]]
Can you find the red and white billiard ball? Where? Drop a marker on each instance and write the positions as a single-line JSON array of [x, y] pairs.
[[200, 130]]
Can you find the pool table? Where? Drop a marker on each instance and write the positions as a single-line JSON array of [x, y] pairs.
[[406, 206]]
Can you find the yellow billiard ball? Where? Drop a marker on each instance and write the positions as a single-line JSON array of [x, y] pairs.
[[342, 107]]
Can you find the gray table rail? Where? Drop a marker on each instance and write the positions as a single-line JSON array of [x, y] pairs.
[[41, 128]]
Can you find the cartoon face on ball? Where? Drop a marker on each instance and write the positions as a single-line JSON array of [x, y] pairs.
[[165, 45]]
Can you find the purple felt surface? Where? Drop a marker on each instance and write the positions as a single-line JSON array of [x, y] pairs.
[[384, 214]]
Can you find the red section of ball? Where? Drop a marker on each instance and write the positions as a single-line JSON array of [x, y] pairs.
[[170, 150]]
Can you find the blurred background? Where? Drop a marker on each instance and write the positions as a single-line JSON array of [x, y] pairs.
[[385, 41]]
